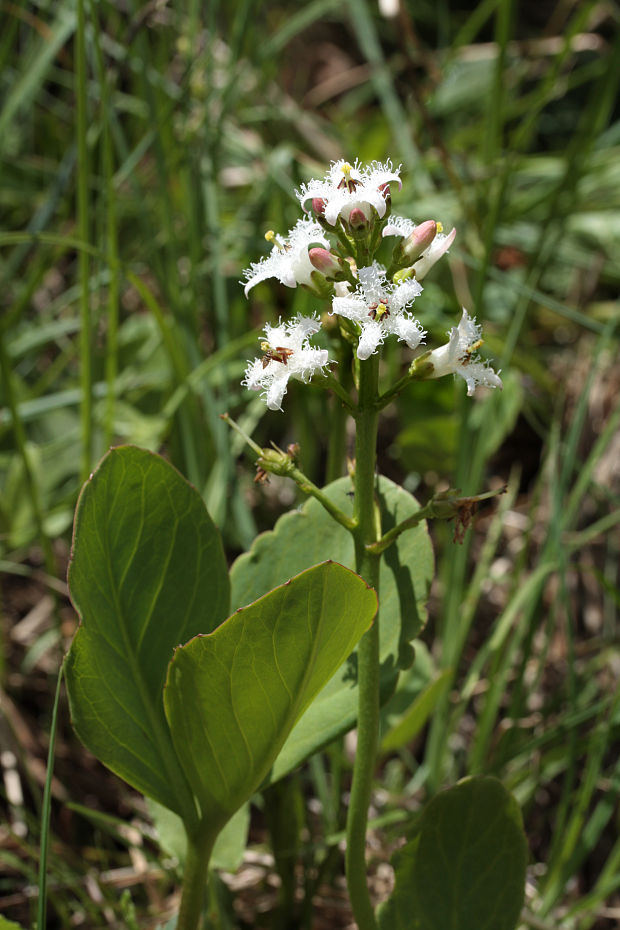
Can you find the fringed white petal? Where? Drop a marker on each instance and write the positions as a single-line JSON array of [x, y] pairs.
[[371, 337]]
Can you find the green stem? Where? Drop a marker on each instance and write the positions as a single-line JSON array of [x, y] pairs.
[[419, 370], [304, 484], [193, 897], [438, 508], [281, 463], [367, 565]]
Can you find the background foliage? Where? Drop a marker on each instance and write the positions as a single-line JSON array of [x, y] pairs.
[[145, 149]]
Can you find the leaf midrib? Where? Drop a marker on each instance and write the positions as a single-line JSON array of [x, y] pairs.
[[160, 732]]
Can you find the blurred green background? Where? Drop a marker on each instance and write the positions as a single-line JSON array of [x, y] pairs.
[[145, 149]]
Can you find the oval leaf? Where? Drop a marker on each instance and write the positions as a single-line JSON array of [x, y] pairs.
[[147, 573], [303, 538], [232, 697], [465, 868]]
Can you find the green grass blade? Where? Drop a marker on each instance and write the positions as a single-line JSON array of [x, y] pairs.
[[83, 259], [33, 75], [111, 358], [45, 814]]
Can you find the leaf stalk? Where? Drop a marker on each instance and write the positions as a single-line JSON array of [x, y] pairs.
[[193, 896]]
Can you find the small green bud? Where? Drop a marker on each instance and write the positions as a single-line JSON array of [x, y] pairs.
[[403, 275]]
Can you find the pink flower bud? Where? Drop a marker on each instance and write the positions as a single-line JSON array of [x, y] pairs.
[[318, 205], [357, 219], [324, 261], [419, 240]]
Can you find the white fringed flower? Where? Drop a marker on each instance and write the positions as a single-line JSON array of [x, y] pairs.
[[401, 226], [288, 261], [287, 354], [457, 356], [379, 309], [346, 186]]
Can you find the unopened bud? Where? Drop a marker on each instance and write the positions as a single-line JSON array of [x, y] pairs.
[[357, 219], [318, 205], [405, 274], [325, 262], [419, 240]]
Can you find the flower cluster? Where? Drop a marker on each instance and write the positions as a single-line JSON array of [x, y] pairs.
[[352, 204], [350, 187]]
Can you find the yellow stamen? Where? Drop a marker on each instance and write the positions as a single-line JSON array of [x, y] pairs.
[[270, 236], [469, 351], [439, 227], [265, 347]]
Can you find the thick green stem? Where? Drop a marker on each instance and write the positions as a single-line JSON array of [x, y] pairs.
[[367, 565], [193, 897]]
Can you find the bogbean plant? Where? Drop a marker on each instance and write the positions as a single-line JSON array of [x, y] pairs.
[[201, 687]]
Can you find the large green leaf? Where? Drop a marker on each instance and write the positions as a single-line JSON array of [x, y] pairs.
[[301, 539], [465, 868], [147, 573], [232, 697]]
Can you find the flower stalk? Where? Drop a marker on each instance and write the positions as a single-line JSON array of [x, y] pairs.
[[276, 462], [441, 507], [367, 566]]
